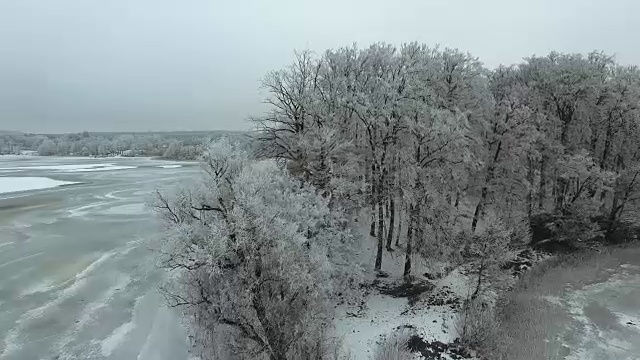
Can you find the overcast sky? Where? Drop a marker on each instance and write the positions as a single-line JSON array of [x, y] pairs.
[[138, 65]]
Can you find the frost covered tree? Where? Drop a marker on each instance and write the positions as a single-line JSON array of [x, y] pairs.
[[505, 140], [378, 107], [350, 115], [437, 140], [258, 259], [172, 151], [564, 89], [582, 179], [290, 95], [371, 127], [47, 148]]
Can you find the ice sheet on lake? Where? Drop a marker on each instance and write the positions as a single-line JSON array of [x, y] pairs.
[[16, 184], [40, 287], [108, 167], [129, 209], [116, 338], [56, 167], [73, 167], [173, 166]]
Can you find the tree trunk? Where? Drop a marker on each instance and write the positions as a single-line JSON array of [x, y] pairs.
[[479, 283], [542, 192], [594, 141], [418, 230], [407, 258], [277, 355], [485, 189], [399, 228], [556, 193], [476, 214], [607, 144], [562, 186], [603, 196], [392, 215], [372, 229], [617, 207], [530, 178], [566, 116], [378, 264], [387, 209], [276, 351], [613, 215]]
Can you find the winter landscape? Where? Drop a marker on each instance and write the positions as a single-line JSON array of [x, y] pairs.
[[335, 180], [79, 243]]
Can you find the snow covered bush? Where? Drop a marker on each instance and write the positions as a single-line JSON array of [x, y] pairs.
[[258, 259], [479, 329], [394, 346], [487, 251], [478, 325], [578, 202]]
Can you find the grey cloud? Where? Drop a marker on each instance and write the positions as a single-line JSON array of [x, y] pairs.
[[135, 65]]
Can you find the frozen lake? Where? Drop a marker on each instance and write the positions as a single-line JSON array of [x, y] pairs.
[[600, 320], [77, 276]]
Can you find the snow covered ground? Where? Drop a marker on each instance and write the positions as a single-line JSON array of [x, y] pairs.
[[17, 184], [361, 328], [383, 315]]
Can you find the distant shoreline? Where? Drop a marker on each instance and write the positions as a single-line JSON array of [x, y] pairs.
[[155, 158]]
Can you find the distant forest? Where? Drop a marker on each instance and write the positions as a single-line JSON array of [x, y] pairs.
[[185, 145]]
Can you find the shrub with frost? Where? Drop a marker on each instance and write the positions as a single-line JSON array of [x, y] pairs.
[[259, 259]]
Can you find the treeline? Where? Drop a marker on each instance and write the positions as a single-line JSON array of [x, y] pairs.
[[169, 146], [436, 145]]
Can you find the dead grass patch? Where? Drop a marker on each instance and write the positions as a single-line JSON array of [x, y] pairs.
[[527, 320], [394, 346]]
